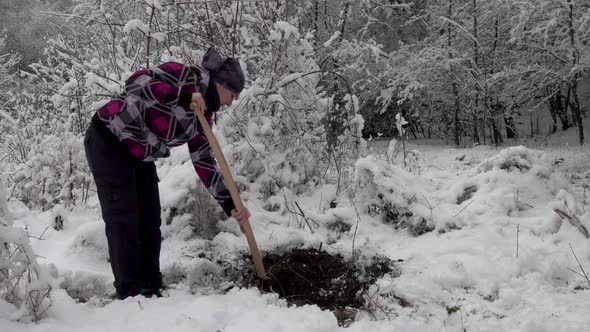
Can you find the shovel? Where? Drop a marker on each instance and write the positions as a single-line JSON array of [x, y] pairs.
[[235, 196]]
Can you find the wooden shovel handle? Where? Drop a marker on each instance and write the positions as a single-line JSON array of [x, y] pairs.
[[235, 195]]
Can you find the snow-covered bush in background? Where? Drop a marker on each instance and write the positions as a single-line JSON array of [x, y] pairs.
[[4, 213], [23, 282], [504, 184], [399, 152], [184, 200], [45, 160], [83, 286], [90, 239], [517, 158], [277, 134], [44, 156], [55, 172], [7, 61], [391, 192]]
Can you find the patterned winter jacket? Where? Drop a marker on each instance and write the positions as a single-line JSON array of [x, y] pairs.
[[153, 115]]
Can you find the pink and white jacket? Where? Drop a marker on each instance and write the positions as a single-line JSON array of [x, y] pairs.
[[154, 115]]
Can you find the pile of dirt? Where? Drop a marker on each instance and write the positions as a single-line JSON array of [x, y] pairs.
[[311, 276]]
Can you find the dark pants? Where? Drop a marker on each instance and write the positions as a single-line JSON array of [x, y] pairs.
[[130, 202]]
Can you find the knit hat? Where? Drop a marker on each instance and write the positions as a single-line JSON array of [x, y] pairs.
[[226, 72]]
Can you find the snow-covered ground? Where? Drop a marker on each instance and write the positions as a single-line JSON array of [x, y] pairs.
[[462, 275]]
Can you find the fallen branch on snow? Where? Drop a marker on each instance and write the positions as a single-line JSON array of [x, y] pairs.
[[574, 221], [583, 274]]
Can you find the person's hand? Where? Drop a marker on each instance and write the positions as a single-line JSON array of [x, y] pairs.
[[198, 103], [241, 216]]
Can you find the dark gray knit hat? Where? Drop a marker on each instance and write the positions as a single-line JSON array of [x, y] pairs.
[[226, 72]]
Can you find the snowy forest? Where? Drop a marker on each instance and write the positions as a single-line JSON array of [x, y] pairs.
[[429, 158]]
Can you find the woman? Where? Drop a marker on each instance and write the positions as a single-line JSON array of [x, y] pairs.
[[129, 133]]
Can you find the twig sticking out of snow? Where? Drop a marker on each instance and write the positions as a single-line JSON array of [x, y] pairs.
[[40, 237], [306, 218], [302, 215], [358, 219], [370, 297], [573, 219], [583, 274], [463, 209], [517, 230], [431, 207]]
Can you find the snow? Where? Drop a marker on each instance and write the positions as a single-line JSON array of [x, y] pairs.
[[154, 3], [136, 24], [287, 29], [288, 79], [159, 36], [93, 79], [462, 274], [334, 36], [8, 118]]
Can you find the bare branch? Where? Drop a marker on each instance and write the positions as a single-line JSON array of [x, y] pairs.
[[584, 274], [41, 236], [574, 221], [458, 213]]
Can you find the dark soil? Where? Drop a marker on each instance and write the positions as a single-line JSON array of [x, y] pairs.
[[310, 276]]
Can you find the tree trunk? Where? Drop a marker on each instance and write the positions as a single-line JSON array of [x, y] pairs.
[[315, 22], [553, 112], [475, 124], [532, 125], [455, 89], [574, 81], [577, 111], [496, 111], [457, 123], [476, 59], [343, 19], [149, 38], [509, 124], [483, 127], [234, 36], [497, 137], [562, 111]]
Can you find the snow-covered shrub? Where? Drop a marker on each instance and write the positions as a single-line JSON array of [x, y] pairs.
[[281, 133], [206, 214], [386, 190], [516, 158], [43, 147], [277, 135], [82, 286], [22, 281], [399, 153], [91, 239], [173, 273], [184, 200], [204, 273], [4, 213], [55, 172], [376, 178], [7, 61], [569, 209]]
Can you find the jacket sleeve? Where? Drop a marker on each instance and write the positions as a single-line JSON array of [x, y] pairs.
[[166, 84], [208, 170]]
